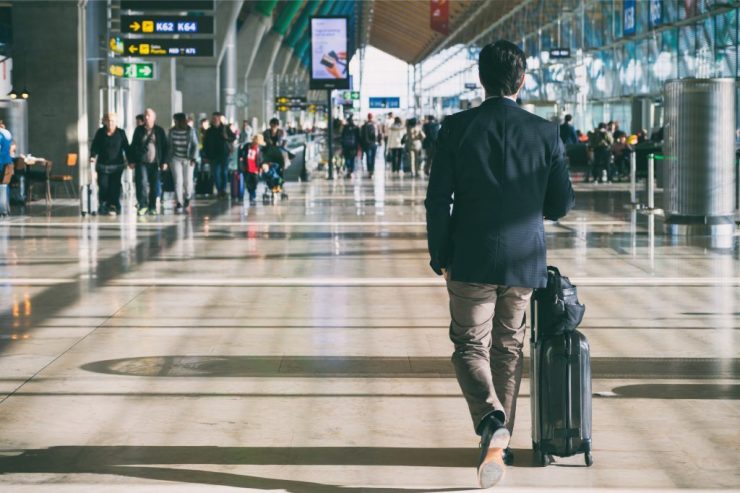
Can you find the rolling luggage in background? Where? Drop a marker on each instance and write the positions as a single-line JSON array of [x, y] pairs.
[[204, 180], [4, 200], [237, 185], [560, 373], [88, 200]]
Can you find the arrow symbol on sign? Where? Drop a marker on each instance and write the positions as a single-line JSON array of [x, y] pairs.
[[146, 70], [132, 49], [135, 26]]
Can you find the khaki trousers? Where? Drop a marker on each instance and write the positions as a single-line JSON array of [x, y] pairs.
[[488, 329]]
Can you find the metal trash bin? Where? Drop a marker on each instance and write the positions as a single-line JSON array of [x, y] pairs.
[[699, 151]]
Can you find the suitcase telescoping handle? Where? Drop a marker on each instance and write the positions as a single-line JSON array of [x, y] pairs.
[[533, 318]]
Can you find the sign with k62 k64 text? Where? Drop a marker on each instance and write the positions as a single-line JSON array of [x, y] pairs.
[[167, 24]]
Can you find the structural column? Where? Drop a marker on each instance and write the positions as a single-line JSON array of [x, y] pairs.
[[50, 59], [228, 75]]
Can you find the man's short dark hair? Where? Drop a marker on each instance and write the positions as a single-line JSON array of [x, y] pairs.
[[274, 121], [568, 118], [140, 116], [217, 113], [501, 67]]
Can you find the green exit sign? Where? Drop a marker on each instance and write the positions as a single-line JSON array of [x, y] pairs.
[[138, 71]]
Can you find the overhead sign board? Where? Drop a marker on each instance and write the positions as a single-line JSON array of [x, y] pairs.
[[167, 24], [290, 100], [168, 47], [164, 5], [137, 71], [329, 64], [560, 53], [391, 102], [471, 85]]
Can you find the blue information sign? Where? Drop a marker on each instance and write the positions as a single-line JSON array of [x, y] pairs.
[[385, 102], [630, 17], [656, 12]]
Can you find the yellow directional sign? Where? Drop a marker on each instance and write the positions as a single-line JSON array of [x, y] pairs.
[[133, 49], [147, 26], [116, 70], [144, 49], [135, 26], [116, 46]]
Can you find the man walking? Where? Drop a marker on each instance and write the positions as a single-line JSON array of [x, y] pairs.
[[568, 131], [108, 150], [370, 137], [350, 140], [217, 147], [148, 154], [502, 169], [431, 132]]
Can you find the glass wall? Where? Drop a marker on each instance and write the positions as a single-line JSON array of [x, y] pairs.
[[616, 52]]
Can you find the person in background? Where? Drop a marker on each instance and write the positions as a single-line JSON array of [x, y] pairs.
[[601, 144], [139, 120], [621, 150], [217, 147], [414, 144], [183, 152], [350, 140], [370, 136], [395, 145], [431, 132], [147, 155], [246, 134], [385, 128], [250, 164], [108, 153], [275, 142], [567, 132], [6, 142]]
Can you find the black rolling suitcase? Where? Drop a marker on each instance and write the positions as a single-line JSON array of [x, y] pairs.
[[204, 180], [560, 373]]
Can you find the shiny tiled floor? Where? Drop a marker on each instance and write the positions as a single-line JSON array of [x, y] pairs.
[[302, 347]]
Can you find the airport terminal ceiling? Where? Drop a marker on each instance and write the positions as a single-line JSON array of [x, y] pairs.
[[395, 26]]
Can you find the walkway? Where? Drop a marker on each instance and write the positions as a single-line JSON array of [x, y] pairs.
[[302, 347]]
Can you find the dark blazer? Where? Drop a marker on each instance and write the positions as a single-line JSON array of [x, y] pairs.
[[137, 149], [502, 169]]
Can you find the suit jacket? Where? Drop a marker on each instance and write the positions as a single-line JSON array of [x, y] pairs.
[[502, 170]]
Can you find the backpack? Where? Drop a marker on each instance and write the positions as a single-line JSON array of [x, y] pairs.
[[559, 311], [370, 133], [349, 138]]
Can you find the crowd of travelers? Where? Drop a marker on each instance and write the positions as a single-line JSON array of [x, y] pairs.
[[408, 145], [184, 160], [608, 148]]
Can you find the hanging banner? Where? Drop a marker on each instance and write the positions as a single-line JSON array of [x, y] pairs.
[[630, 18], [440, 16], [656, 13], [329, 64], [690, 8]]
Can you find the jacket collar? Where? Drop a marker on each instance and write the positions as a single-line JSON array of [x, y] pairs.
[[500, 100]]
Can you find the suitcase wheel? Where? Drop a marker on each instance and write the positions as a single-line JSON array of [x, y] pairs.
[[542, 459], [83, 213], [589, 458]]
